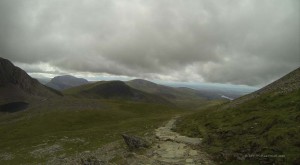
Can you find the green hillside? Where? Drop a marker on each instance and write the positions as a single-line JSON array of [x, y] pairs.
[[65, 127], [165, 91], [116, 90], [183, 97], [264, 129]]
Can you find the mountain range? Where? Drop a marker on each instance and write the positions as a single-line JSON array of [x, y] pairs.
[[47, 123], [17, 85]]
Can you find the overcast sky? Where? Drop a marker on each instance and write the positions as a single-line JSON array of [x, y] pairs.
[[249, 42]]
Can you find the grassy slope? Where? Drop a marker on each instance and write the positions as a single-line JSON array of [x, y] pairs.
[[78, 89], [93, 122], [267, 125]]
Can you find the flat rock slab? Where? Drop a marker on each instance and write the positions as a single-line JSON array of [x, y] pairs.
[[171, 150], [189, 160], [188, 140], [193, 153]]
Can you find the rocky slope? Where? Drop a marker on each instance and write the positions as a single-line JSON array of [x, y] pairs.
[[284, 85], [17, 85]]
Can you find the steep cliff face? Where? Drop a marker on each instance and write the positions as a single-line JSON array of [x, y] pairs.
[[16, 84], [13, 75]]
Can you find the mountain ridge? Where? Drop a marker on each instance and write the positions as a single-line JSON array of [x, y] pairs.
[[288, 83], [163, 90], [113, 90]]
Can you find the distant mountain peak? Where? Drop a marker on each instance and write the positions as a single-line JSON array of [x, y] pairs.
[[66, 81]]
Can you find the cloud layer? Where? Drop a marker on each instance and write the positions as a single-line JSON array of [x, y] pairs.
[[242, 41]]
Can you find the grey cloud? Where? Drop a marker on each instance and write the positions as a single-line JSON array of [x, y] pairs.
[[242, 42]]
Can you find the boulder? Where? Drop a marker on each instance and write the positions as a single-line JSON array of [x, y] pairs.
[[134, 142]]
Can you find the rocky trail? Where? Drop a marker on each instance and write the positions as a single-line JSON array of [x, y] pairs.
[[172, 148]]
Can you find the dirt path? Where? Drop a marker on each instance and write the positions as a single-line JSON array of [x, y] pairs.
[[172, 148]]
